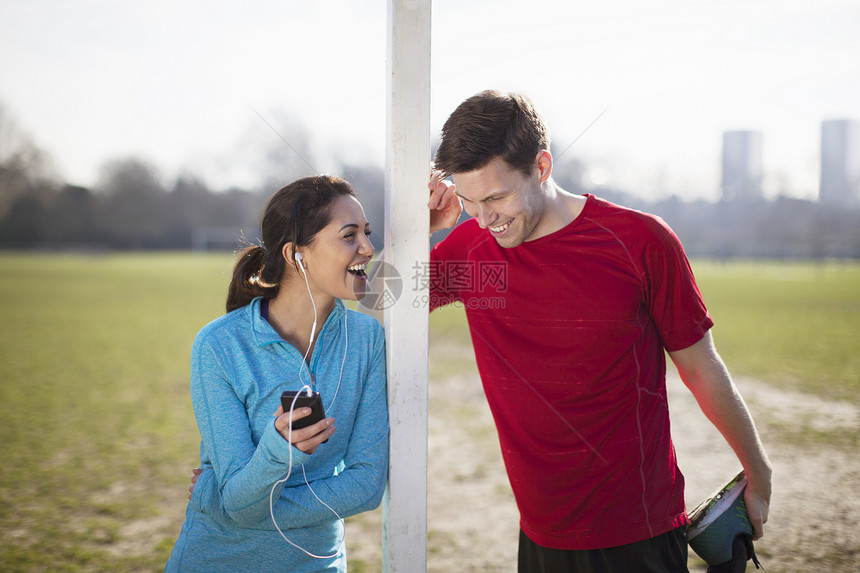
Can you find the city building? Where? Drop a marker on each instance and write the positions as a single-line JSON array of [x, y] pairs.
[[742, 165], [840, 162]]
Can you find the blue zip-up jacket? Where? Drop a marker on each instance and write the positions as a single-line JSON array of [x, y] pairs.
[[239, 367]]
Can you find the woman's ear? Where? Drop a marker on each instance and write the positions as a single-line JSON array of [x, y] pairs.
[[287, 253]]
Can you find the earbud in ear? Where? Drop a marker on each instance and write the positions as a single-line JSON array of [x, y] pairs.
[[300, 261], [298, 256]]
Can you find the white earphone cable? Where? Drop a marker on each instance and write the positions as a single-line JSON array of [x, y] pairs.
[[290, 431], [313, 328], [284, 480]]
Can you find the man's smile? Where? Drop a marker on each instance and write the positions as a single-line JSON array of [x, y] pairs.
[[501, 228]]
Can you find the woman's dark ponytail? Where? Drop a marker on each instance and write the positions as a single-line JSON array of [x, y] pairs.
[[295, 214], [246, 283]]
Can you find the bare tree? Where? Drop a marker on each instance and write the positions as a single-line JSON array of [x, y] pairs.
[[24, 168]]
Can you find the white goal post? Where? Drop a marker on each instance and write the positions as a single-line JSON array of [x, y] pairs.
[[407, 245]]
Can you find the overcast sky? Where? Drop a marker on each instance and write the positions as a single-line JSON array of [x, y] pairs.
[[180, 83]]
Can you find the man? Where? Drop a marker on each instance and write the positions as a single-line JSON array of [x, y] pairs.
[[573, 362]]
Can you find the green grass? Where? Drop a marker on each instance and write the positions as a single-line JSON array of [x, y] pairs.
[[788, 323], [97, 435], [96, 418]]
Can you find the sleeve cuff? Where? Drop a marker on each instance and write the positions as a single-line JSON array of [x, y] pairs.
[[278, 449]]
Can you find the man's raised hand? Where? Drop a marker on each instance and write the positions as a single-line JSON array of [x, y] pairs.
[[445, 206]]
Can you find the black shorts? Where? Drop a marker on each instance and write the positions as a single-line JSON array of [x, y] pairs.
[[666, 553]]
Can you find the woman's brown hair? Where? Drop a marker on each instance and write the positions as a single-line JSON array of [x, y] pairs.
[[294, 214]]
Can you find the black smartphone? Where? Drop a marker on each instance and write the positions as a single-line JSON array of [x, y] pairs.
[[314, 402]]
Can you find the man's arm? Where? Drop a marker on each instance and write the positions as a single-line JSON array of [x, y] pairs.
[[705, 374]]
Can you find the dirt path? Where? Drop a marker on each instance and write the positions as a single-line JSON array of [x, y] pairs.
[[814, 521], [813, 526]]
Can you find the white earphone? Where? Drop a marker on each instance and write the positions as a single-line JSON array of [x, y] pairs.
[[300, 261]]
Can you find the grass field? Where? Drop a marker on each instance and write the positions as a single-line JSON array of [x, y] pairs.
[[96, 420], [96, 430], [788, 323]]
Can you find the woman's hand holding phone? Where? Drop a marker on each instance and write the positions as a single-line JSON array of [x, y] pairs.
[[305, 439]]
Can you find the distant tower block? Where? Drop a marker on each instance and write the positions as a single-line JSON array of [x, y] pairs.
[[840, 162], [742, 165]]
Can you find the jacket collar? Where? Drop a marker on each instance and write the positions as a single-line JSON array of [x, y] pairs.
[[264, 333]]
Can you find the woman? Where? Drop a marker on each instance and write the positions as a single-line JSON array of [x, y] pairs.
[[242, 515]]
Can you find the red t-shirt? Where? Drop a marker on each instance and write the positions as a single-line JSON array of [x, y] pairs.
[[569, 333]]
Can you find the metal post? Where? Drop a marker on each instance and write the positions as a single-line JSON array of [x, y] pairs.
[[406, 248]]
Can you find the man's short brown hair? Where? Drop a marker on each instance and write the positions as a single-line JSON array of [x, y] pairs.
[[491, 124]]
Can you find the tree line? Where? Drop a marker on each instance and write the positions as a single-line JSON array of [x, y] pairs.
[[131, 208]]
